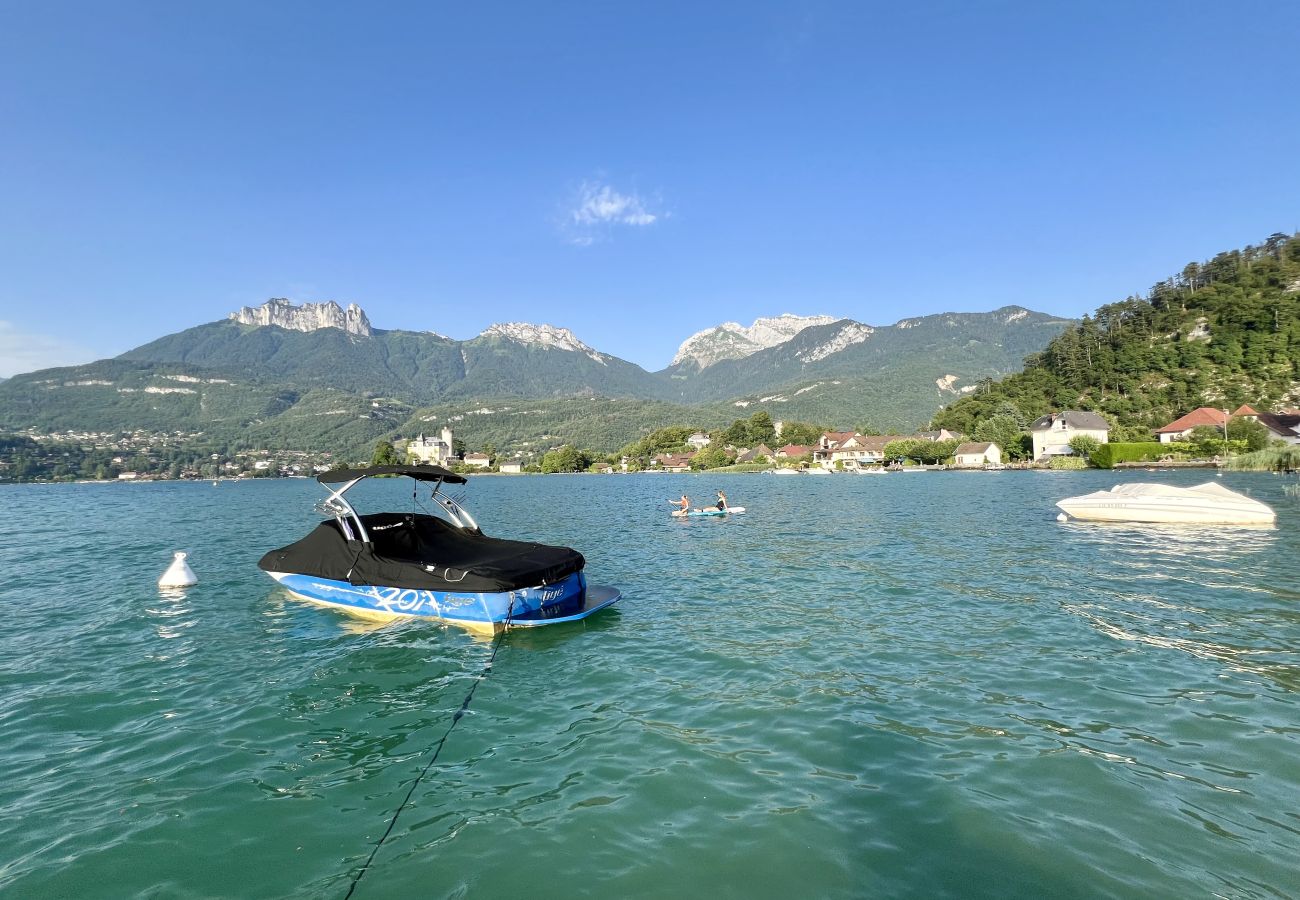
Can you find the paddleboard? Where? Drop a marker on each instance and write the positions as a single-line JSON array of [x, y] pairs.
[[730, 510]]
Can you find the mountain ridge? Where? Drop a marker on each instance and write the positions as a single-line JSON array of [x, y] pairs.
[[731, 340], [321, 381]]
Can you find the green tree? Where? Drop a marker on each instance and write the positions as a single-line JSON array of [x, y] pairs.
[[385, 455], [1256, 435], [1207, 441], [760, 429], [920, 450], [1002, 430], [710, 457], [1084, 445], [566, 459], [734, 435], [803, 434]]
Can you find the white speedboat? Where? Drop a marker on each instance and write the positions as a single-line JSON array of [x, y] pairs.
[[1205, 504]]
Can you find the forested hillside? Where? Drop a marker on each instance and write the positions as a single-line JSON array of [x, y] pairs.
[[1219, 333]]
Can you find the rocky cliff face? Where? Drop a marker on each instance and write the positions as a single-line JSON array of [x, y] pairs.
[[308, 317], [542, 336], [731, 340]]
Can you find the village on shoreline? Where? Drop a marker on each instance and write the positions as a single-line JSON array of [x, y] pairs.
[[1069, 439]]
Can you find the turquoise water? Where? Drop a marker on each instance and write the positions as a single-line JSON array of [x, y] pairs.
[[910, 685]]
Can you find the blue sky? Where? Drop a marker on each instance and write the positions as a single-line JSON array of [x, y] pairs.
[[634, 172]]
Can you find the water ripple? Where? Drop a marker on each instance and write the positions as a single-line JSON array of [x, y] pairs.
[[911, 685]]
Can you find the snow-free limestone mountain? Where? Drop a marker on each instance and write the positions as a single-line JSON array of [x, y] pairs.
[[543, 336], [731, 340], [307, 317], [305, 375]]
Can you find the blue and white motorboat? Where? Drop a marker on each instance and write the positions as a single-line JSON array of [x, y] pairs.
[[436, 566]]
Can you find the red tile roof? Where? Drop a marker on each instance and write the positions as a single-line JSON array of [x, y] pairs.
[[1244, 410], [1203, 416]]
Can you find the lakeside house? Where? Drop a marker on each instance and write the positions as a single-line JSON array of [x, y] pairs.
[[860, 450], [749, 456], [827, 443], [977, 455], [830, 440], [1282, 426], [793, 451], [477, 460], [850, 449], [512, 466], [1053, 432], [675, 462], [1181, 428]]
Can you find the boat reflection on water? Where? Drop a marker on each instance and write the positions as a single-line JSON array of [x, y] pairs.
[[1169, 544]]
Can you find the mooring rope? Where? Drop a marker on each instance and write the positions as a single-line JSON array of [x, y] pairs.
[[437, 747]]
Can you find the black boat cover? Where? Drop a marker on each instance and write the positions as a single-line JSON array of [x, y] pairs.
[[419, 473], [423, 552]]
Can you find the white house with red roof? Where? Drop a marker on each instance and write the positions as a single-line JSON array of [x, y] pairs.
[[1180, 429]]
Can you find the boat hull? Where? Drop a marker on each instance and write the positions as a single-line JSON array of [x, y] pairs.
[[1162, 514], [1206, 504], [569, 600]]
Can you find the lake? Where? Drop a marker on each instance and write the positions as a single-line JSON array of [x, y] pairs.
[[905, 685]]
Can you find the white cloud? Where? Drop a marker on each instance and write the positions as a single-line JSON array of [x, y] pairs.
[[21, 352], [601, 204], [596, 208]]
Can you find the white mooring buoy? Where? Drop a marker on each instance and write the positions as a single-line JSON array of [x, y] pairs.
[[1062, 517], [179, 573]]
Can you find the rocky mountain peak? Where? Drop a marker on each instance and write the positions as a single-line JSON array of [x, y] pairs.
[[731, 340], [542, 336], [307, 317]]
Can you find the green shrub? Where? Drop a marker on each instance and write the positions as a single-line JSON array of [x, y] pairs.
[[1107, 455], [1067, 462]]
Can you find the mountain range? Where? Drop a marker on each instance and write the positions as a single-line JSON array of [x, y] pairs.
[[299, 376]]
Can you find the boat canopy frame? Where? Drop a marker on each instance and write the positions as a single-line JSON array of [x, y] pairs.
[[337, 505]]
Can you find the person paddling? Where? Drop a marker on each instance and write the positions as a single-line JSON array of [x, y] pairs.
[[684, 503], [722, 501]]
